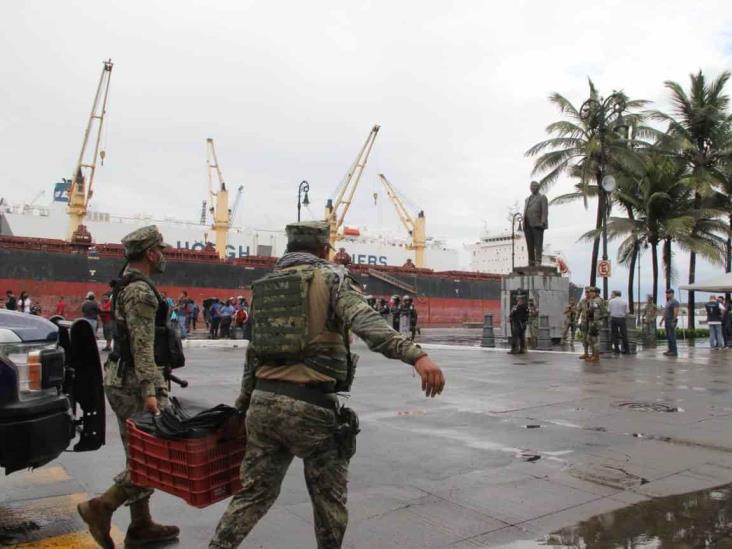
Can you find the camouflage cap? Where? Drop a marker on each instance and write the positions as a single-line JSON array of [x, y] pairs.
[[143, 239], [308, 233]]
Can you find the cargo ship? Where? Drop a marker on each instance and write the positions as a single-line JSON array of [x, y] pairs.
[[50, 268]]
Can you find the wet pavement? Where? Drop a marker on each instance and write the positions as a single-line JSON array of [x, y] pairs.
[[526, 451]]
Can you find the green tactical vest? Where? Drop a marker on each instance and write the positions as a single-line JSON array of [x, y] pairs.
[[283, 332]]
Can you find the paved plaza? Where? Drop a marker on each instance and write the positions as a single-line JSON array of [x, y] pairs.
[[516, 447]]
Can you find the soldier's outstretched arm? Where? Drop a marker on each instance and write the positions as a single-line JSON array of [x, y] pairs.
[[370, 326]]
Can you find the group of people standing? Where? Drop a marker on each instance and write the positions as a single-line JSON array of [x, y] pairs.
[[21, 303], [400, 313], [223, 316], [183, 313], [719, 321]]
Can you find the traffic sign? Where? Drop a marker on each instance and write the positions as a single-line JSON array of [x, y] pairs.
[[604, 268]]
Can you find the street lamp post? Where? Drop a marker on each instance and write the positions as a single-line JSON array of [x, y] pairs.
[[302, 189], [601, 115], [513, 237]]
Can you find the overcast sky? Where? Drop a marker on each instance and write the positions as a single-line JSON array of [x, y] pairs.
[[290, 90]]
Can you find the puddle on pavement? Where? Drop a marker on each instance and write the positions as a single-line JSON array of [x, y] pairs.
[[696, 519]]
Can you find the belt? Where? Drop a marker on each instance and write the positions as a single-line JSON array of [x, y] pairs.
[[320, 394]]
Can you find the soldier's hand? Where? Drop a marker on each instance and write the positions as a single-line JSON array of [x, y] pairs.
[[151, 405], [432, 379]]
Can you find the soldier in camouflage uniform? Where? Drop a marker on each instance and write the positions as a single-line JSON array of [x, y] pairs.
[[650, 314], [570, 322], [592, 316], [297, 360], [533, 324], [581, 317], [132, 388]]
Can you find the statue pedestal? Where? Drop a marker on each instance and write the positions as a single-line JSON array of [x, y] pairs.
[[546, 287]]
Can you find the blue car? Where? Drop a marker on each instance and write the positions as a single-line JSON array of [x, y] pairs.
[[50, 389]]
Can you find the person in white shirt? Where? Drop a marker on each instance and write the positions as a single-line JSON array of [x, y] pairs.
[[618, 311]]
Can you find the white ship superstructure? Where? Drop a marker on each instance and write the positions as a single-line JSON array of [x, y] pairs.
[[493, 253], [39, 221]]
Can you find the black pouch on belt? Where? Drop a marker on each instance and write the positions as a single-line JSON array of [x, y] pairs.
[[346, 432]]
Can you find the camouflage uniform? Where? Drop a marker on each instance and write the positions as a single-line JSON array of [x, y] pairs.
[[135, 306], [533, 324], [650, 313], [592, 316], [280, 427], [570, 323]]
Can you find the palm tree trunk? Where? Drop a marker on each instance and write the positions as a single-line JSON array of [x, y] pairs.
[[596, 243], [654, 263], [728, 263], [631, 278], [692, 274], [667, 261], [728, 266]]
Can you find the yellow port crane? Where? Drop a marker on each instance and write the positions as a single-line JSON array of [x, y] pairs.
[[219, 200], [416, 226], [81, 188], [336, 209]]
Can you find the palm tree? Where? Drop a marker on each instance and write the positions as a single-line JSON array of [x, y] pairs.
[[580, 150], [699, 126], [648, 193]]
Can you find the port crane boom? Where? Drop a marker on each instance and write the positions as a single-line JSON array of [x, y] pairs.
[[237, 203], [219, 200], [416, 226], [336, 210], [83, 177]]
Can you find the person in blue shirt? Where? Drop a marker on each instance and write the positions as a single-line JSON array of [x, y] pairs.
[[226, 314], [215, 319]]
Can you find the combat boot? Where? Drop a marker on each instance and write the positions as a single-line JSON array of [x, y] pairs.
[[584, 356], [97, 514], [143, 531], [594, 358]]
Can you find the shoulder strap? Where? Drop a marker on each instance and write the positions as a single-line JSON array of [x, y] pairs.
[[125, 280]]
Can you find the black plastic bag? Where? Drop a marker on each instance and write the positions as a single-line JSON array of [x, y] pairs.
[[175, 423]]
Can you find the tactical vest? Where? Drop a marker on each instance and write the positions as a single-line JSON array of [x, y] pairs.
[[168, 348], [293, 323], [714, 312]]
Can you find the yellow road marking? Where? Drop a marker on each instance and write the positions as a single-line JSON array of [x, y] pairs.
[[74, 540], [46, 523], [46, 475]]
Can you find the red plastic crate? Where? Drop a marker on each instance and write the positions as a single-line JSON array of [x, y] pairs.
[[202, 471]]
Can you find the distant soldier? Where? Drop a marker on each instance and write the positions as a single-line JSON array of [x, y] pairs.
[[533, 324], [371, 300], [518, 317], [396, 311], [290, 383], [408, 320], [383, 309], [133, 382], [570, 322], [592, 315], [650, 319]]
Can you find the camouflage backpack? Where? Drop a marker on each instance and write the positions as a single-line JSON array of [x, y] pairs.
[[280, 327]]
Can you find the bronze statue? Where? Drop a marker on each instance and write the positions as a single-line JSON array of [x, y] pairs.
[[536, 216]]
